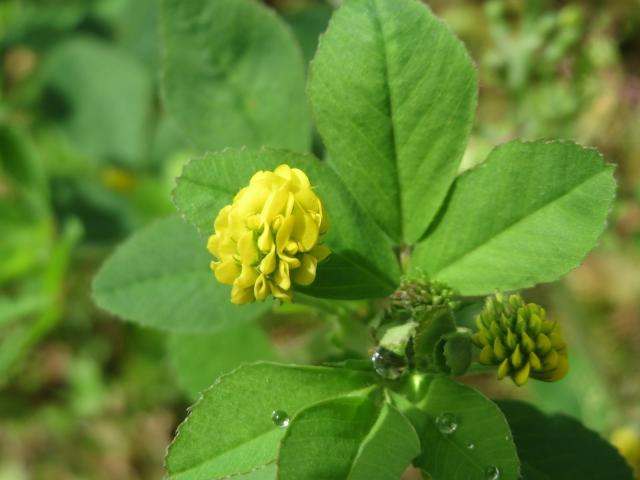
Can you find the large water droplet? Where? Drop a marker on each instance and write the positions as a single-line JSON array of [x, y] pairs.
[[446, 423], [492, 473], [471, 446], [388, 364], [280, 418]]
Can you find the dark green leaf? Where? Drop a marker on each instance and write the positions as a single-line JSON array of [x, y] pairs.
[[558, 447]]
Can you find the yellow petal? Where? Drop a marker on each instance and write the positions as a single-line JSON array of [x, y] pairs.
[[284, 171], [261, 289], [265, 240], [292, 261], [268, 263], [247, 248], [301, 178], [306, 273], [306, 232], [275, 204], [281, 277], [320, 252], [247, 278], [280, 294], [222, 220], [226, 271], [241, 295], [324, 222], [284, 233]]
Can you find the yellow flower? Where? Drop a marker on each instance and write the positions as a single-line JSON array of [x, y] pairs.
[[270, 236]]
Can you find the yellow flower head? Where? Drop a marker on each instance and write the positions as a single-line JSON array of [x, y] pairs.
[[270, 236]]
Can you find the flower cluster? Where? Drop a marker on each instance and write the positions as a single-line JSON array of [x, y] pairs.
[[270, 236], [416, 297], [518, 339]]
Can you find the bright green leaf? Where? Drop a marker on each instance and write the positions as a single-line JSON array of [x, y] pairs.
[[463, 433], [233, 75], [199, 359], [230, 430], [160, 278], [362, 264], [529, 214], [350, 438], [394, 94], [558, 447]]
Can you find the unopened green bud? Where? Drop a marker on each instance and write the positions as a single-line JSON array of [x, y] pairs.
[[415, 298], [519, 340]]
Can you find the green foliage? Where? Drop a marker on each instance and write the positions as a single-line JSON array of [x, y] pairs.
[[100, 98], [528, 215], [355, 438], [160, 278], [394, 113], [394, 94], [238, 410], [198, 359], [463, 433], [557, 447], [233, 75], [362, 264]]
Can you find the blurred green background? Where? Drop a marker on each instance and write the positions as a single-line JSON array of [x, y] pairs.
[[87, 156]]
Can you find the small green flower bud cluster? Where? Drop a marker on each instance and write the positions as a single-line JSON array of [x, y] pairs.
[[414, 298], [518, 339]]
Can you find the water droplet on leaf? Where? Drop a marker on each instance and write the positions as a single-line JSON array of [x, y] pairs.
[[471, 446], [280, 418], [388, 364], [492, 473], [446, 423]]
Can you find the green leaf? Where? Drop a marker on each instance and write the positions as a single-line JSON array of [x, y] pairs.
[[99, 98], [199, 359], [349, 438], [233, 75], [529, 214], [362, 264], [394, 108], [432, 326], [230, 430], [463, 433], [454, 352], [558, 447], [160, 278]]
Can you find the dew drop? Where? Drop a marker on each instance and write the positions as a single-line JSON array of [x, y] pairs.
[[280, 418], [446, 423], [492, 473], [471, 446], [388, 364]]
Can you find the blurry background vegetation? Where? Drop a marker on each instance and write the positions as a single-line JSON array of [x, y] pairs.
[[87, 156]]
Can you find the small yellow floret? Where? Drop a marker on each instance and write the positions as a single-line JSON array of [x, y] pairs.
[[270, 236]]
